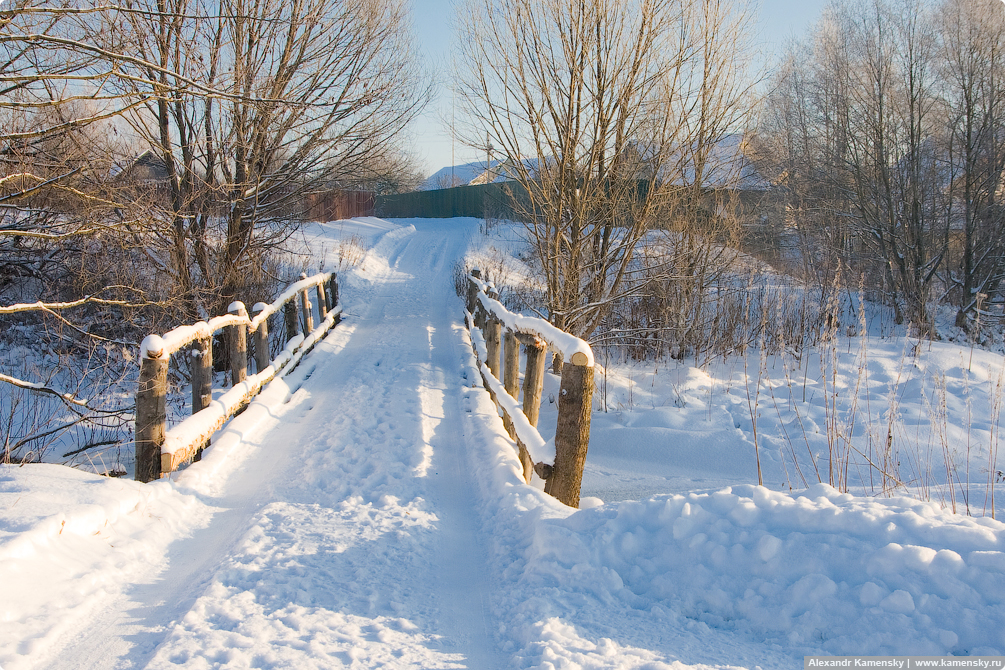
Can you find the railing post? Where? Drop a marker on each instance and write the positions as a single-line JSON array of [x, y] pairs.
[[493, 335], [202, 379], [511, 383], [238, 340], [151, 409], [473, 291], [305, 310], [333, 292], [533, 380], [290, 318], [572, 436], [202, 373], [260, 339], [479, 315], [511, 364], [322, 301]]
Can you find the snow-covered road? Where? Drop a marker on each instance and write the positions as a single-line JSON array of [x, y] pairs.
[[367, 511], [347, 534]]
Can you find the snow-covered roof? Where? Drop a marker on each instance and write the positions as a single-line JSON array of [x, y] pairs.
[[727, 166], [472, 174]]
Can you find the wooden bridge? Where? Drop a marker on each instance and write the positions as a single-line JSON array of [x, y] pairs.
[[496, 335]]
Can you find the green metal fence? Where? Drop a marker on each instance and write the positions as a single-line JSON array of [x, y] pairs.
[[493, 201]]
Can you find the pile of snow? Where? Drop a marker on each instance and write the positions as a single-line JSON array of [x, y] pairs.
[[69, 540], [818, 571], [810, 572]]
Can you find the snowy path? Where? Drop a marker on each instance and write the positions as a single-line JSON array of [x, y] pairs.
[[350, 533], [368, 511]]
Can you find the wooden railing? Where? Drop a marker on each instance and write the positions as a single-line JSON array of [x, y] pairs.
[[497, 335], [159, 450]]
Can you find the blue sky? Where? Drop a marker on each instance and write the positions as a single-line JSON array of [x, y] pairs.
[[777, 21]]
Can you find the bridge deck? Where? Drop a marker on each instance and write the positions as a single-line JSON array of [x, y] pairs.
[[347, 532]]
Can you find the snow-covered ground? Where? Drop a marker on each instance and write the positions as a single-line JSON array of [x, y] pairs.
[[368, 511]]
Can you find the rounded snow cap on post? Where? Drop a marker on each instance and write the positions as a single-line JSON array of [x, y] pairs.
[[259, 307], [152, 346], [237, 307]]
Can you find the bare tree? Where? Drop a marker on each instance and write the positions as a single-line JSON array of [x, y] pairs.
[[292, 96], [246, 106], [866, 147], [605, 113], [973, 75]]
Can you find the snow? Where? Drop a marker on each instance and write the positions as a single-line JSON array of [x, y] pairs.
[[156, 346], [263, 312], [368, 510], [569, 345]]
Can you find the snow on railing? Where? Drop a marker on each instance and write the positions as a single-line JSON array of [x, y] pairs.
[[559, 461], [159, 450]]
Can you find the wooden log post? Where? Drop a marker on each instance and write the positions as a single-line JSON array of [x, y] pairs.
[[480, 315], [332, 292], [557, 362], [322, 301], [238, 341], [202, 374], [533, 379], [151, 409], [202, 380], [306, 315], [511, 364], [572, 436], [493, 335], [260, 340], [472, 301], [290, 318], [511, 382]]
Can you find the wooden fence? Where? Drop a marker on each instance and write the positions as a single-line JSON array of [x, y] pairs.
[[159, 450], [497, 335], [336, 205]]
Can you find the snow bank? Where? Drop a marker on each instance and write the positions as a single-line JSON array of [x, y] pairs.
[[742, 576], [70, 540], [818, 571]]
